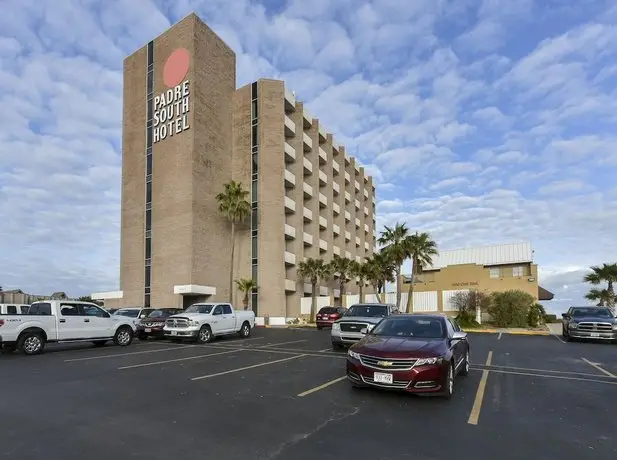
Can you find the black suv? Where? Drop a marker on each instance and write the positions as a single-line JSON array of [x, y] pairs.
[[589, 323]]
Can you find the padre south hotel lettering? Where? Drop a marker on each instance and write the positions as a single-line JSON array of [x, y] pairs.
[[171, 112]]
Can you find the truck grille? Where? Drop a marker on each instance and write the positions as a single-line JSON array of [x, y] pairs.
[[388, 363], [352, 327], [395, 384], [177, 322], [595, 327]]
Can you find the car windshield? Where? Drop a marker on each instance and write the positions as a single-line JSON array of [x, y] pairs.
[[163, 313], [128, 313], [600, 312], [370, 311], [426, 328], [200, 309], [327, 310]]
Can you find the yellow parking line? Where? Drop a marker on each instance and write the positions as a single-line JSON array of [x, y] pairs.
[[246, 368], [282, 343], [177, 360], [474, 416], [596, 366], [321, 387], [88, 358], [561, 377]]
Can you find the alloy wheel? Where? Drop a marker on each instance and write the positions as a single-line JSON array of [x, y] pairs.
[[123, 338], [32, 344]]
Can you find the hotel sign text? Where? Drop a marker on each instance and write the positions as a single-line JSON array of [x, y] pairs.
[[466, 283], [171, 112]]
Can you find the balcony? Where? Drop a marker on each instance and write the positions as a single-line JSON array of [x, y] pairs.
[[323, 156], [347, 216], [323, 222], [290, 101], [323, 201], [356, 184], [307, 142], [290, 179], [307, 215], [290, 127], [323, 290], [290, 153], [308, 239], [367, 246], [365, 211], [347, 255], [366, 229], [336, 250], [307, 167], [357, 169], [336, 188], [323, 178], [336, 209], [358, 242], [347, 160], [290, 205], [323, 245], [334, 147], [290, 232], [307, 119], [290, 259], [373, 199], [347, 178], [357, 203], [365, 194], [308, 288], [347, 236], [336, 229], [335, 168], [307, 190], [358, 259], [357, 223], [323, 136], [347, 197], [290, 286]]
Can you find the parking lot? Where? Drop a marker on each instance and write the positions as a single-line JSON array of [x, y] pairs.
[[281, 394]]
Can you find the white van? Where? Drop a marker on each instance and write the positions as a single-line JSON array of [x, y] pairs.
[[14, 309]]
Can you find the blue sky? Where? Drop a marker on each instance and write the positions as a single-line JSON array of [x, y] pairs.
[[482, 121]]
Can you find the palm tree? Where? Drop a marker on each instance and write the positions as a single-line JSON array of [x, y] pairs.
[[421, 249], [233, 204], [341, 268], [313, 270], [602, 296], [361, 271], [246, 286], [395, 246], [604, 273], [380, 270]]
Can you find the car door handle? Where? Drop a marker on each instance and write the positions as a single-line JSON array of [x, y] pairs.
[[63, 321], [86, 320]]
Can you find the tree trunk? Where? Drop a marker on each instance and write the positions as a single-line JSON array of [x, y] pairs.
[[409, 306], [246, 300], [377, 293], [361, 287], [231, 267], [341, 288], [398, 287], [313, 301]]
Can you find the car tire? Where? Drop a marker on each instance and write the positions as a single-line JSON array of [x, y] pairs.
[[449, 391], [31, 343], [204, 335], [245, 330], [123, 336], [99, 343], [465, 366], [564, 334]]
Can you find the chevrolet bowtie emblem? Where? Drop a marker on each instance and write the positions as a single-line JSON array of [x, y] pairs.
[[384, 363]]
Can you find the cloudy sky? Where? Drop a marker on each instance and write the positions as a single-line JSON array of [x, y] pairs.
[[482, 121]]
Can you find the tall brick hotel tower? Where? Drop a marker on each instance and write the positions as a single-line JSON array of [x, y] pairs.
[[187, 131]]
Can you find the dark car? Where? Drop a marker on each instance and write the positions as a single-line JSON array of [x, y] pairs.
[[596, 323], [152, 325], [415, 353], [327, 315]]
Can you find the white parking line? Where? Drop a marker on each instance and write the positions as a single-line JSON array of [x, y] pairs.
[[156, 363], [597, 366], [499, 336], [559, 338], [281, 343], [246, 368], [89, 358], [321, 387], [325, 349]]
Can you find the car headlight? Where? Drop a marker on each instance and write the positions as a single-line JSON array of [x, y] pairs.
[[193, 323], [369, 328], [573, 325], [353, 354], [336, 327], [428, 361]]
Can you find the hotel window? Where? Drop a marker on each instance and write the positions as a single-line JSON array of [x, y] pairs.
[[494, 273], [518, 271], [254, 190], [148, 194]]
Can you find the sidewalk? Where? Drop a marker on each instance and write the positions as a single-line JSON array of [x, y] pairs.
[[511, 330]]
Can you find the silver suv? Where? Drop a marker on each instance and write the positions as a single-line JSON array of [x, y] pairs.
[[359, 319]]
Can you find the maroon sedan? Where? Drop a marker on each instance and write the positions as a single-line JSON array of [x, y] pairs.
[[416, 353], [327, 315], [152, 325]]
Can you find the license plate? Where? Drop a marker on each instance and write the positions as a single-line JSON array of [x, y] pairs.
[[148, 329], [174, 332], [380, 377], [594, 334]]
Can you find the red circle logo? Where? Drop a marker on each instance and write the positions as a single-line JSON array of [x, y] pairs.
[[176, 67]]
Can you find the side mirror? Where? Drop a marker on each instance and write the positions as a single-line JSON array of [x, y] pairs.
[[565, 315], [364, 330], [459, 335]]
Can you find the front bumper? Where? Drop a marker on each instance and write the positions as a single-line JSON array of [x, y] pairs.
[[176, 333], [595, 335], [421, 379], [156, 331]]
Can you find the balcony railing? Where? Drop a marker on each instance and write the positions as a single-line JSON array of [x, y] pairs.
[[357, 223], [307, 215], [290, 101], [347, 236], [357, 204], [365, 211], [347, 216], [335, 167], [367, 247], [323, 201], [308, 167], [336, 250], [365, 194], [308, 239], [323, 222], [307, 119], [290, 286], [290, 153], [336, 229], [347, 197], [323, 246], [307, 190], [336, 188], [356, 184], [366, 229], [290, 258], [323, 178], [290, 205], [347, 177], [323, 136], [290, 127], [307, 142], [323, 156], [290, 232], [347, 255], [336, 209], [358, 241], [290, 179]]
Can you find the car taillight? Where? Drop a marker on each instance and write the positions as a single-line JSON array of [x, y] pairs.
[[334, 315], [1, 322]]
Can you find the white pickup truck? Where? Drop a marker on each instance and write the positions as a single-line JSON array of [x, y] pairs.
[[63, 321], [204, 321]]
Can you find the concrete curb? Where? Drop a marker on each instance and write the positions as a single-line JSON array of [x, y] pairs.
[[506, 331]]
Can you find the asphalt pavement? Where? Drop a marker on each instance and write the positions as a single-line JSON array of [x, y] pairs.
[[282, 395]]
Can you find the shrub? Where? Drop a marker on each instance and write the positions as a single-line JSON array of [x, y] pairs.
[[467, 302], [550, 319], [511, 308], [536, 315]]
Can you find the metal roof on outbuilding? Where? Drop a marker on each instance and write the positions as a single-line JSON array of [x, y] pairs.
[[500, 254]]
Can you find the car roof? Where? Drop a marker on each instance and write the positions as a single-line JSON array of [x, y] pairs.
[[420, 315]]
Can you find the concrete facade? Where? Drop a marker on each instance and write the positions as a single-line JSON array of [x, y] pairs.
[[298, 176]]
